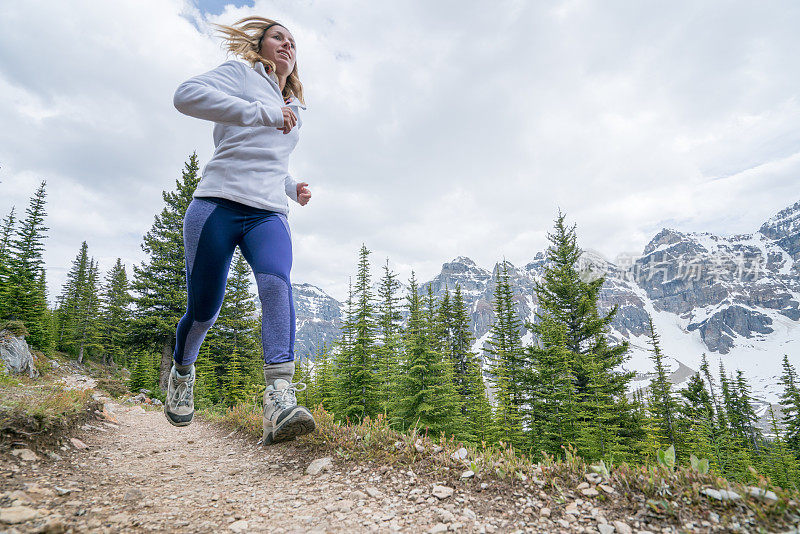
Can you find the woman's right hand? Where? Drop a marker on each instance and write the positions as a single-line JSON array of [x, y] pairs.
[[289, 119]]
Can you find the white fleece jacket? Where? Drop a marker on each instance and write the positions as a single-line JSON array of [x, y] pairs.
[[251, 162]]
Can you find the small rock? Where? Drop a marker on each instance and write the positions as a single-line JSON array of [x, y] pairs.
[[490, 528], [39, 491], [762, 494], [419, 446], [583, 485], [446, 516], [436, 449], [544, 512], [239, 526], [563, 523], [622, 528], [319, 465], [590, 492], [373, 492], [605, 528], [14, 515], [460, 454], [399, 445], [54, 456], [62, 491], [21, 496], [54, 525], [438, 528], [608, 489], [470, 515], [133, 494], [572, 509], [720, 495], [484, 485], [468, 474], [157, 402], [441, 492], [358, 495], [121, 518], [26, 455], [78, 444]]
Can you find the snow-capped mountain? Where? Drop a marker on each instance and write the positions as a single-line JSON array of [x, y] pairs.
[[736, 299]]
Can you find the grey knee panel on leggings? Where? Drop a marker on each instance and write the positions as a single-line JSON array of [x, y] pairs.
[[273, 291]]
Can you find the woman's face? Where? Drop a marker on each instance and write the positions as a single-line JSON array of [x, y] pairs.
[[278, 46]]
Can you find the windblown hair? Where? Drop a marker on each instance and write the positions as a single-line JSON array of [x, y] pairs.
[[243, 39]]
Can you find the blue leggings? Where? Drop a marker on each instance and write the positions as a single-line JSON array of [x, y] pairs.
[[212, 228]]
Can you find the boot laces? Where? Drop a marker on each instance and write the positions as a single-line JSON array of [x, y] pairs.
[[286, 397], [184, 391]]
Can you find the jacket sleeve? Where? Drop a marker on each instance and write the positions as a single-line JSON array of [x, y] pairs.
[[291, 187], [210, 96]]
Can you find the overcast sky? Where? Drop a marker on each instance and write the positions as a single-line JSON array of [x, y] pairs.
[[433, 129]]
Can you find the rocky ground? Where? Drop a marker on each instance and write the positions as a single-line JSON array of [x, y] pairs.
[[131, 471]]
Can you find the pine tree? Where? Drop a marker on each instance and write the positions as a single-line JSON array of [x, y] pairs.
[[323, 379], [159, 282], [607, 422], [476, 410], [79, 307], [115, 315], [551, 383], [751, 434], [235, 386], [389, 330], [360, 394], [344, 385], [790, 405], [663, 406], [425, 394], [507, 362], [24, 299], [6, 234], [696, 417]]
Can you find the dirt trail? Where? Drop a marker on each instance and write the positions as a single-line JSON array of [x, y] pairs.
[[143, 474]]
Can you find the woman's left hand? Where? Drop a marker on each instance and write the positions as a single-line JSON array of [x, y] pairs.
[[303, 194]]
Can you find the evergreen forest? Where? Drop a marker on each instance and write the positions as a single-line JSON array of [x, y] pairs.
[[407, 357]]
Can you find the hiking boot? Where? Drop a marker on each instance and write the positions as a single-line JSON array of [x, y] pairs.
[[179, 404], [283, 418]]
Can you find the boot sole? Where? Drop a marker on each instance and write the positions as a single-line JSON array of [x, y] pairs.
[[177, 423], [299, 423]]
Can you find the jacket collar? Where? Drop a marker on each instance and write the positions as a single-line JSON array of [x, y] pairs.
[[259, 68]]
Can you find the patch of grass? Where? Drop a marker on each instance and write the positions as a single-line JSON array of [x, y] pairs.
[[666, 496], [114, 386], [41, 414]]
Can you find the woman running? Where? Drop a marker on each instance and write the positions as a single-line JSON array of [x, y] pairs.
[[241, 201]]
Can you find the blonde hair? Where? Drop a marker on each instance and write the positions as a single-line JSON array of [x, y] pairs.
[[243, 39]]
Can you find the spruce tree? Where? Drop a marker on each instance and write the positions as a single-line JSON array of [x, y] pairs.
[[790, 405], [388, 321], [476, 410], [663, 406], [749, 430], [24, 297], [425, 394], [115, 315], [324, 379], [358, 370], [159, 283], [507, 363], [6, 235], [344, 375], [608, 423], [551, 383], [79, 307]]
